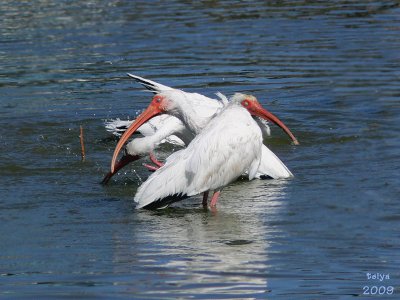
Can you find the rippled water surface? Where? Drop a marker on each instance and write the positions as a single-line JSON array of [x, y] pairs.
[[330, 70]]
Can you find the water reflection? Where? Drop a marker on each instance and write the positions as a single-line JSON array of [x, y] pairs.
[[189, 250], [330, 70]]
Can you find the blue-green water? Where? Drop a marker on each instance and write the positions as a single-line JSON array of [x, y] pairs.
[[329, 70]]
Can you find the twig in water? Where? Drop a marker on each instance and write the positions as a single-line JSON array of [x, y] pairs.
[[82, 144]]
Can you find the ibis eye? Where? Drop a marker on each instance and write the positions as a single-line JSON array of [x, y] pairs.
[[158, 99], [246, 103]]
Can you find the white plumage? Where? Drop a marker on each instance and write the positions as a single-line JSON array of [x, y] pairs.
[[228, 146], [187, 115], [168, 127], [157, 129]]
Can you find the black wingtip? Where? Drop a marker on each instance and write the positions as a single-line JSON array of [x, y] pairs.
[[165, 202], [148, 85]]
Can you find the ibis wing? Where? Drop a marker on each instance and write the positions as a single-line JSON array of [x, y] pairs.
[[153, 86], [166, 183], [272, 166], [222, 152]]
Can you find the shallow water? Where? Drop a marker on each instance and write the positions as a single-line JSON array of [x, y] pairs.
[[330, 71]]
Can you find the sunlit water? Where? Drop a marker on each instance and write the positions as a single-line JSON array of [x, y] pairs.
[[330, 71]]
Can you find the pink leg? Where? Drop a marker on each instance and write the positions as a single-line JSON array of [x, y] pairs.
[[155, 160], [214, 199], [150, 167], [205, 198]]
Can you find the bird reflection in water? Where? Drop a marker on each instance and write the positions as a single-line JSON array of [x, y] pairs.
[[190, 250]]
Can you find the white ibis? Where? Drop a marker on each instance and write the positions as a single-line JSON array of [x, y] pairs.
[[162, 128], [228, 146], [117, 127], [169, 126], [194, 112]]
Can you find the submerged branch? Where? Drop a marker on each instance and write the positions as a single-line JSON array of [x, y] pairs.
[[82, 144]]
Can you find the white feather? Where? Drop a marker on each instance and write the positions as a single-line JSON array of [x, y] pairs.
[[227, 147], [195, 112], [271, 165], [223, 98]]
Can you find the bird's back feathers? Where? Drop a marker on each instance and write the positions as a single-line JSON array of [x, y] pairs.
[[227, 147]]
